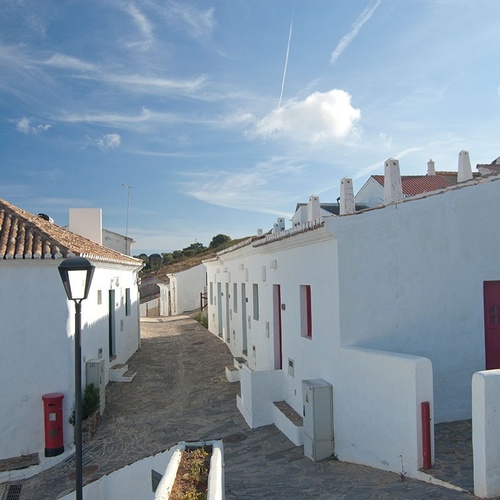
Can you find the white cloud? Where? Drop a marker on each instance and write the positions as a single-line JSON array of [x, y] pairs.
[[320, 117], [109, 141], [25, 126], [246, 189], [356, 27], [68, 62], [199, 23], [144, 26]]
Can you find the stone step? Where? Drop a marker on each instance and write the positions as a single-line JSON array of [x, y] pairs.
[[121, 373]]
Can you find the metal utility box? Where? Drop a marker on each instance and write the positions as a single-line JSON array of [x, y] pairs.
[[95, 375], [317, 400]]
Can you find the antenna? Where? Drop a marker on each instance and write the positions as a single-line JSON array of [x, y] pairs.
[[128, 209]]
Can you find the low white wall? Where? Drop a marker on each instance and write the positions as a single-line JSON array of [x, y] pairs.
[[486, 433], [377, 415], [259, 390], [132, 481]]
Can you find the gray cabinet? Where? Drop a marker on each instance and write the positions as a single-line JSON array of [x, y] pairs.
[[317, 399], [95, 375]]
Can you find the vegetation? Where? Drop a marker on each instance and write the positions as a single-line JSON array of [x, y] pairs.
[[171, 262], [90, 403], [202, 318], [191, 482]]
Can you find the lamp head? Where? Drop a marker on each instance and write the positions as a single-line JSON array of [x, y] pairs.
[[76, 275]]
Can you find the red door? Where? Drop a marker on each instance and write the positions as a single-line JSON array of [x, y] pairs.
[[492, 324], [278, 342]]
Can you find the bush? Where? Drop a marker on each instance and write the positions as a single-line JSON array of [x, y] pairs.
[[90, 402]]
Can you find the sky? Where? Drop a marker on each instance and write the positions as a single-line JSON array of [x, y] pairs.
[[183, 119]]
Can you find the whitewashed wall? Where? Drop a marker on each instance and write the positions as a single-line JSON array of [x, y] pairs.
[[298, 261], [116, 241], [371, 194], [411, 279], [377, 409], [486, 433], [37, 354], [405, 279], [186, 287]]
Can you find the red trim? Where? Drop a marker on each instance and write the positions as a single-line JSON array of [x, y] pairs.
[[426, 435]]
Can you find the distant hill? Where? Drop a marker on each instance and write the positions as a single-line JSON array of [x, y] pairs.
[[183, 262]]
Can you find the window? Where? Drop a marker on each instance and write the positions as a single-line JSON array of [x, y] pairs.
[[256, 302], [211, 293], [305, 311], [127, 302], [235, 297], [99, 297]]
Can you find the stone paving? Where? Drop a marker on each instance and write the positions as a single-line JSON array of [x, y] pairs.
[[181, 393]]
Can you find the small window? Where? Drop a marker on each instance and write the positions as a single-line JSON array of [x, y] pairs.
[[305, 311], [127, 302], [235, 297], [211, 294], [99, 297], [256, 302]]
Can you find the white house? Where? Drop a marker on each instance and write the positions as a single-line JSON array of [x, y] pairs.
[[387, 305], [88, 222], [185, 289], [37, 326]]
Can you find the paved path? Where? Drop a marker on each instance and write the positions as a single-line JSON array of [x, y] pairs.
[[181, 393]]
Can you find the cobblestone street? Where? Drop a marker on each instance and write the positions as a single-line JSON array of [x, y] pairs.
[[181, 393]]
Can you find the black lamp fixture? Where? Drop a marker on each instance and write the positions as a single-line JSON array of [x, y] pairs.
[[76, 275]]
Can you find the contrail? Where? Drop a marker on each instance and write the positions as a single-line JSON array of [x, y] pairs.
[[286, 62], [358, 24]]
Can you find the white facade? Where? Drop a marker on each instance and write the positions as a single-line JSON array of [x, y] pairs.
[[185, 288], [396, 310], [37, 354], [117, 242]]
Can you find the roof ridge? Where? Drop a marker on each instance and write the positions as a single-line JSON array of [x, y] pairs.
[[24, 235]]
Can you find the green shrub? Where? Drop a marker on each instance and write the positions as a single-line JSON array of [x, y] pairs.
[[90, 403]]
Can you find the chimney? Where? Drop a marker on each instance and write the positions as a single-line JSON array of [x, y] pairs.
[[346, 197], [431, 170], [86, 222], [464, 168], [313, 209], [393, 189]]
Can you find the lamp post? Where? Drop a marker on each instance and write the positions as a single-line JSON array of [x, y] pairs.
[[76, 275]]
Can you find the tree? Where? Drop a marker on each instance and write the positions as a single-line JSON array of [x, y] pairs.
[[155, 261], [167, 258], [219, 240]]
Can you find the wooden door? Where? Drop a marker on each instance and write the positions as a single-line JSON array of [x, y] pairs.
[[278, 341], [492, 324]]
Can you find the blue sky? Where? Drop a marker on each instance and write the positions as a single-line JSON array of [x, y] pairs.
[[222, 115]]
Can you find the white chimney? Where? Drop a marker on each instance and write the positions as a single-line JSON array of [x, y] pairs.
[[86, 222], [346, 196], [393, 189], [431, 168], [313, 209], [464, 168]]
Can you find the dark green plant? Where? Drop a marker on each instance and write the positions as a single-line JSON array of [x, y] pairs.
[[90, 403]]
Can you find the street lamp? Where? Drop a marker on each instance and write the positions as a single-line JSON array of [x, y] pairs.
[[76, 275]]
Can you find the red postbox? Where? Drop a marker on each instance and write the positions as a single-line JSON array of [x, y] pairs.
[[53, 422]]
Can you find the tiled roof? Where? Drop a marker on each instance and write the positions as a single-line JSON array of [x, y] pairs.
[[417, 184], [494, 167], [27, 236]]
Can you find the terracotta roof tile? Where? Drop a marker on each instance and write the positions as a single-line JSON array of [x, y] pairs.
[[27, 236], [417, 184]]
